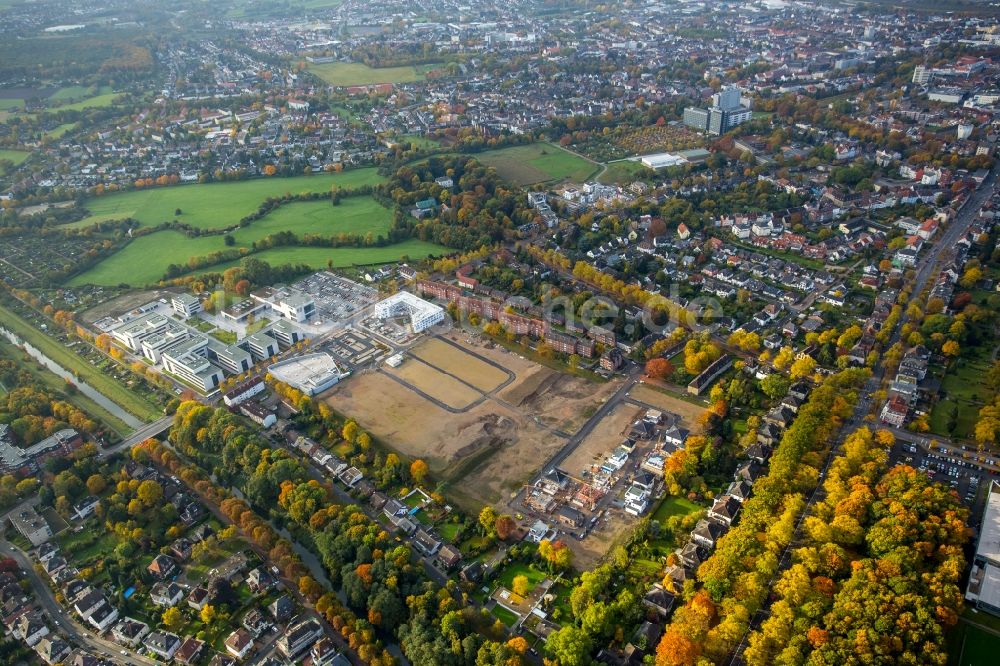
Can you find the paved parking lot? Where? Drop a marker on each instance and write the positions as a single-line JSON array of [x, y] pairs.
[[965, 477]]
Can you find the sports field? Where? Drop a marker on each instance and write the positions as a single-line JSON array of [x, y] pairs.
[[359, 74], [537, 163], [213, 205], [145, 260], [471, 369], [969, 645]]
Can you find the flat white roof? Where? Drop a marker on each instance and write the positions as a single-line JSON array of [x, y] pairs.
[[988, 547], [310, 372]]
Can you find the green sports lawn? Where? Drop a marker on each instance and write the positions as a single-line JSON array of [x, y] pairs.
[[213, 205], [537, 163], [360, 74], [145, 260]]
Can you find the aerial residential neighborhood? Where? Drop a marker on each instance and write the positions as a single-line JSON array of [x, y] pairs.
[[526, 332]]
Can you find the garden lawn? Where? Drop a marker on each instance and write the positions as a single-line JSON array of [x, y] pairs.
[[213, 205], [519, 569], [359, 74], [675, 506], [128, 400], [537, 163], [504, 615], [355, 216], [448, 531]]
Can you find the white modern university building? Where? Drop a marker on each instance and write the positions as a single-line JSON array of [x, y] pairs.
[[983, 591], [309, 373], [423, 314]]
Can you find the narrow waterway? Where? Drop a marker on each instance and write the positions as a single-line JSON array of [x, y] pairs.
[[87, 390]]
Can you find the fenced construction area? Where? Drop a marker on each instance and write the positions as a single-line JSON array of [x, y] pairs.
[[487, 449]]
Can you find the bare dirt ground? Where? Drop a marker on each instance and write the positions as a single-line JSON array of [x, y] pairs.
[[469, 368], [603, 439], [588, 553], [489, 451], [436, 384], [122, 304], [688, 412]]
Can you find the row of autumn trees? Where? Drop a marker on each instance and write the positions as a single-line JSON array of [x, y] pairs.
[[356, 632], [734, 580], [386, 594], [876, 578]]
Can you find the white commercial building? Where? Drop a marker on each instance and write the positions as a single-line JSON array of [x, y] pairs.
[[662, 160], [422, 314], [310, 373], [185, 305], [983, 590], [132, 334]]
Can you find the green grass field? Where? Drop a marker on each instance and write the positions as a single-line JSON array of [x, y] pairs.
[[972, 646], [69, 93], [359, 74], [98, 101], [108, 386], [145, 260], [213, 205], [623, 172], [11, 104], [15, 156], [421, 142], [354, 216], [506, 578], [342, 257], [537, 163], [675, 506], [504, 615], [60, 130]]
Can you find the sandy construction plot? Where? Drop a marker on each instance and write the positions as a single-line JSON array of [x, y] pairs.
[[436, 384], [487, 451], [469, 368], [484, 453], [688, 412], [603, 439]]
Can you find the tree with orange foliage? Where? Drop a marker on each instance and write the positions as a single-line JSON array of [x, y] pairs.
[[659, 368]]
